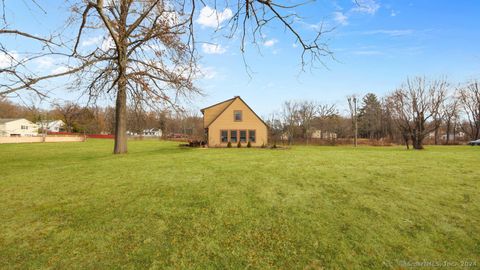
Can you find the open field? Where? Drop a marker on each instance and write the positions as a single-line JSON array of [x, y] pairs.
[[77, 206]]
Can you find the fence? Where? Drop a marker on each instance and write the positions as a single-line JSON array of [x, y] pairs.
[[339, 141], [39, 139], [93, 136]]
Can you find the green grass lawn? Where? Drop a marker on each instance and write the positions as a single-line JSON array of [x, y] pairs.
[[77, 206]]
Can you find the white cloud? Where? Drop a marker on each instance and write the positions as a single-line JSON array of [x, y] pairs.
[[270, 42], [45, 62], [340, 18], [392, 33], [213, 48], [208, 72], [210, 17], [393, 13], [366, 6], [8, 59], [367, 52], [92, 41], [315, 26], [294, 45], [59, 69]]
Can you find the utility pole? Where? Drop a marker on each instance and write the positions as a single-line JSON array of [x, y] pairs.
[[352, 103]]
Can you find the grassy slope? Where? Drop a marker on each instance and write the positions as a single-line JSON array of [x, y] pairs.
[[75, 204]]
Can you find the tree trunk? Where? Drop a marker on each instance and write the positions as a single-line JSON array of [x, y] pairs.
[[356, 130], [454, 132], [121, 104], [121, 118], [417, 140], [405, 138], [447, 139], [417, 143]]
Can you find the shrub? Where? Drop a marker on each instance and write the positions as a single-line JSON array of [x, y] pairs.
[[274, 145], [239, 144], [249, 145], [263, 145], [229, 145]]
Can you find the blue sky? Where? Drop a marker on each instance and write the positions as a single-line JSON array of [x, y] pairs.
[[376, 46]]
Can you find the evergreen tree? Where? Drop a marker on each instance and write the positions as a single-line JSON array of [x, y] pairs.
[[370, 117]]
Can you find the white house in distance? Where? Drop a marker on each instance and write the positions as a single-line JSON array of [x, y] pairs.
[[52, 126], [152, 132], [17, 127]]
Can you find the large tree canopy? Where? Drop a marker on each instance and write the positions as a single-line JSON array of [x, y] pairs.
[[149, 51]]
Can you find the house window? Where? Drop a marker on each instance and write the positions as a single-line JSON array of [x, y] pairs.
[[251, 136], [224, 136], [233, 136], [237, 116], [243, 136], [24, 127]]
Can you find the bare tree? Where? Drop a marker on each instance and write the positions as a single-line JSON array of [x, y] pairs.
[[9, 109], [437, 120], [415, 104], [69, 112], [395, 106], [353, 105], [150, 53], [276, 127], [450, 117], [326, 110], [470, 100], [307, 111], [290, 119], [15, 70]]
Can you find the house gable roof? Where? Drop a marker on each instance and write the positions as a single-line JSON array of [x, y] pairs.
[[225, 104], [8, 120], [218, 104], [226, 107]]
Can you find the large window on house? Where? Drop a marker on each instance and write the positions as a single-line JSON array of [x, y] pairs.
[[237, 116], [252, 136], [243, 136], [224, 136], [233, 136]]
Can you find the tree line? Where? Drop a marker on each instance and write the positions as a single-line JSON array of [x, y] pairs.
[[101, 120], [418, 109]]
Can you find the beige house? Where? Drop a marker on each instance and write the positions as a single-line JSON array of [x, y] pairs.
[[233, 121], [319, 134]]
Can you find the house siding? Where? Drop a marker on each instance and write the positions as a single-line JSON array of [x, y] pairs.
[[225, 121], [14, 127]]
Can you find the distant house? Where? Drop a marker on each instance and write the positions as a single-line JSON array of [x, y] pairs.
[[17, 127], [233, 121], [51, 126], [319, 134], [153, 132], [443, 136], [459, 135]]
